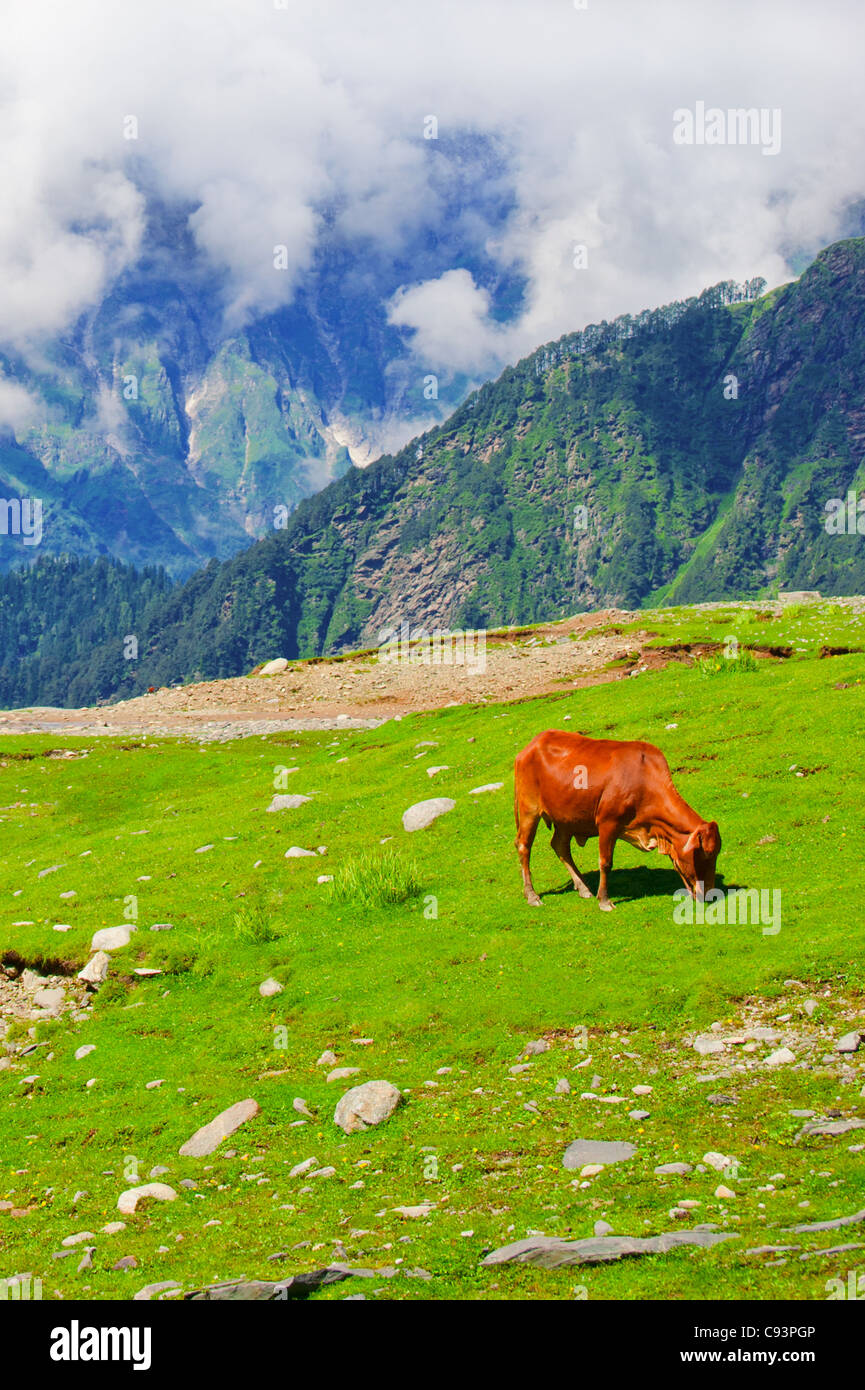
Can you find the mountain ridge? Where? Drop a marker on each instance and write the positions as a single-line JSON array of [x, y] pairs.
[[682, 454]]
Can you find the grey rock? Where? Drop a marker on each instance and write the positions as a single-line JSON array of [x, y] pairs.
[[366, 1105], [833, 1225], [288, 803], [96, 970], [674, 1169], [153, 1290], [269, 987], [550, 1252], [832, 1128], [849, 1043], [423, 813], [111, 938], [128, 1201], [49, 999], [534, 1049], [583, 1151], [211, 1135]]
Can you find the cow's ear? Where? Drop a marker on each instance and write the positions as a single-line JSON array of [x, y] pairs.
[[692, 841]]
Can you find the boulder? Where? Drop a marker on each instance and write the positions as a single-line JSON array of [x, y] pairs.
[[366, 1105], [128, 1201], [210, 1136], [423, 813], [111, 938], [273, 668], [288, 803]]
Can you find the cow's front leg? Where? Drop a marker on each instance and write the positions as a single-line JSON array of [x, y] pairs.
[[606, 843], [561, 843]]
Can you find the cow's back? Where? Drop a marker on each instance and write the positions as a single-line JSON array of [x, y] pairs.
[[571, 779]]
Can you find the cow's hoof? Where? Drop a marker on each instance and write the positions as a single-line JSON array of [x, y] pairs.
[[534, 901], [585, 892], [606, 906]]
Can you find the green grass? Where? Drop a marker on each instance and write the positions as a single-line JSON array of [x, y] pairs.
[[456, 973], [375, 880]]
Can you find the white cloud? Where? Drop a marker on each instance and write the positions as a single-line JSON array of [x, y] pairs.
[[276, 123], [17, 407]]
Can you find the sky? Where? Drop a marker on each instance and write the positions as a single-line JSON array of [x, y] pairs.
[[276, 122]]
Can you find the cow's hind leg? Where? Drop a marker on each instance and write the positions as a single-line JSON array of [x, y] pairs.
[[561, 843], [527, 824]]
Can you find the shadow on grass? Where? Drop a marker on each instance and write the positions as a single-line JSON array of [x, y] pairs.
[[630, 885]]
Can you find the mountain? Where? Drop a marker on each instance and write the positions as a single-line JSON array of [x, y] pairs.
[[683, 454], [164, 431]]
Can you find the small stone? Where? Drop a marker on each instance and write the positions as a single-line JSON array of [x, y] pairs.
[[724, 1192], [269, 987], [77, 1238], [641, 1090], [534, 1049], [85, 1051], [674, 1169], [342, 1073], [300, 1105], [603, 1228], [781, 1057], [113, 1228], [288, 803], [327, 1059], [717, 1161], [849, 1043], [706, 1046], [300, 1168], [126, 1262], [638, 1114], [297, 853], [563, 1086]]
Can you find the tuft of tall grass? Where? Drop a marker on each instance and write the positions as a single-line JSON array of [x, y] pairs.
[[375, 879], [721, 665], [254, 926]]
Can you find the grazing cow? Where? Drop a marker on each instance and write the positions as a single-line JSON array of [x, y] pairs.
[[616, 790]]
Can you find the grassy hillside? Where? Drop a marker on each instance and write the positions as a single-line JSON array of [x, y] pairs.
[[461, 975]]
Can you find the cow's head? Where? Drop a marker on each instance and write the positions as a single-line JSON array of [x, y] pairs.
[[695, 858]]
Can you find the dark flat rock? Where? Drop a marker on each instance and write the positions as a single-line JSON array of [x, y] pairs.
[[295, 1286]]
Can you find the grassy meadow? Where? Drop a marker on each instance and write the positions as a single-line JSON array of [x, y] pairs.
[[423, 944]]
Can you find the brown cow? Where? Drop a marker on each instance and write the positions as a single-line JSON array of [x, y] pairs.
[[616, 790]]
